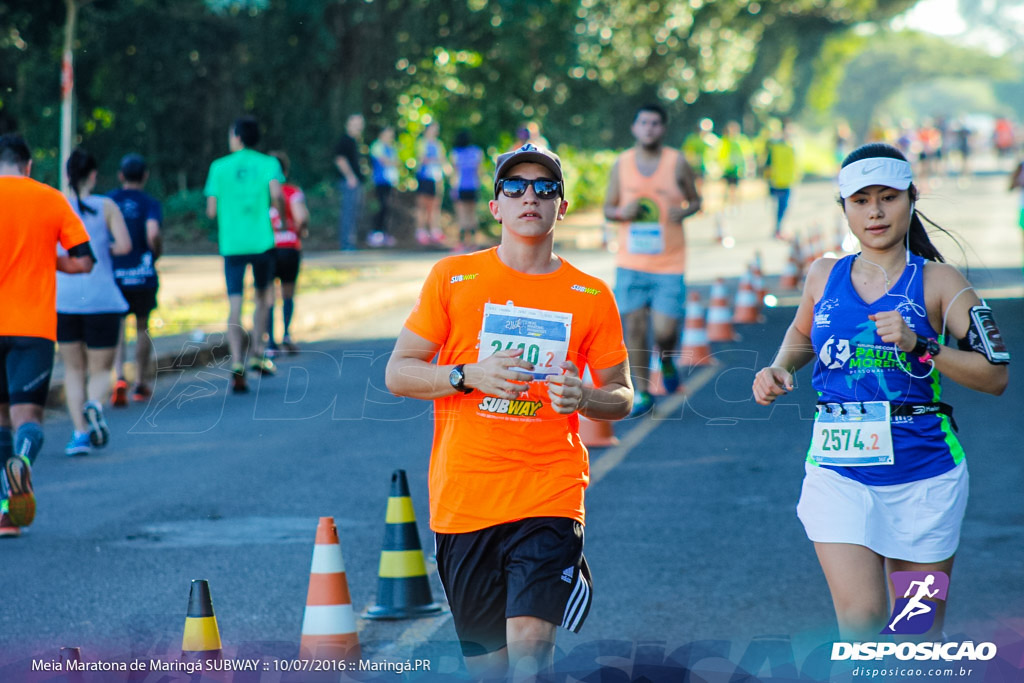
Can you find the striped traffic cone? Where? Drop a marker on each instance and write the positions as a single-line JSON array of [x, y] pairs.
[[70, 661], [201, 640], [329, 624], [791, 273], [746, 310], [695, 350], [720, 327], [403, 591]]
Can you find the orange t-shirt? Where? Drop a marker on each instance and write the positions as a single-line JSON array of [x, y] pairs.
[[34, 218], [498, 460], [654, 246]]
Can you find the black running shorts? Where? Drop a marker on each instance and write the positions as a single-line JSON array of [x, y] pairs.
[[97, 330], [286, 268], [141, 302], [26, 364], [262, 271], [530, 568]]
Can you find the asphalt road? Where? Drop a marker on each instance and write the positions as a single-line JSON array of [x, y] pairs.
[[692, 536]]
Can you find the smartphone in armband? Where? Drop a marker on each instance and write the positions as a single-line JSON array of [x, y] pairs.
[[991, 338]]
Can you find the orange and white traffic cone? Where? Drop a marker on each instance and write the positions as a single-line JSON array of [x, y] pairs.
[[329, 624], [790, 278], [757, 282], [720, 327], [695, 350], [595, 433], [746, 310]]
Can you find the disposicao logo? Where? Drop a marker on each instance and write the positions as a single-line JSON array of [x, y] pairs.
[[914, 613]]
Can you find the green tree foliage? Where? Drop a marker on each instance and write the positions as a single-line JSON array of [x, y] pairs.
[[167, 78], [893, 61]]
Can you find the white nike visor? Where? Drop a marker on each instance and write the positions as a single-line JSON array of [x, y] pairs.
[[894, 173]]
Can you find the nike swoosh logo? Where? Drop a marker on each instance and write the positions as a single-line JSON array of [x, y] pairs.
[[866, 170]]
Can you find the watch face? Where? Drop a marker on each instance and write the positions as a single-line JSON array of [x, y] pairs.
[[455, 378]]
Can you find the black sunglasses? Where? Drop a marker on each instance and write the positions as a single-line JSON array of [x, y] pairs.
[[544, 188]]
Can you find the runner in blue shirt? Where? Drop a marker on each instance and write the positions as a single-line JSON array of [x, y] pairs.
[[466, 161], [885, 483], [136, 274]]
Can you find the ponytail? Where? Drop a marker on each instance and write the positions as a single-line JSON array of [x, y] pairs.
[[80, 165]]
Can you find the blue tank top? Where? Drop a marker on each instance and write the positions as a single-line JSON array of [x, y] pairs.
[[854, 364], [467, 167], [136, 269], [95, 291]]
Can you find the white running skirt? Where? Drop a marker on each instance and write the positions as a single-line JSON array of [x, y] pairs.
[[916, 522]]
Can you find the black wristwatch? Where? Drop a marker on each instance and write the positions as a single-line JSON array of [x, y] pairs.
[[457, 378], [925, 349]]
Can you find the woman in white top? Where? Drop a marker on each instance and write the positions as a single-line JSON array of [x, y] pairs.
[[90, 309]]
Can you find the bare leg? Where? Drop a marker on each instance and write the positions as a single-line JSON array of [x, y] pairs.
[[666, 332], [143, 351], [531, 647], [264, 299], [99, 362], [235, 329], [73, 356], [119, 354], [856, 579], [636, 323]]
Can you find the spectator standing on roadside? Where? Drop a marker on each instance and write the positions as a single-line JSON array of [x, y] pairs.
[[136, 275], [90, 309], [239, 191], [430, 163], [466, 161], [384, 158], [349, 161], [35, 219]]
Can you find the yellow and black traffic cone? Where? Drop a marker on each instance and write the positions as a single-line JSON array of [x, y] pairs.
[[70, 661], [403, 591], [202, 639]]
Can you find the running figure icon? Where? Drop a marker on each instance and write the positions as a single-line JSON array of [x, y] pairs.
[[915, 606]]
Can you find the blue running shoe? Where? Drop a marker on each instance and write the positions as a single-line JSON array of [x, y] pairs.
[[80, 444], [669, 375], [99, 433], [643, 403]]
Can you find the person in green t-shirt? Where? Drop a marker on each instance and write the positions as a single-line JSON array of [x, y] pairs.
[[239, 191]]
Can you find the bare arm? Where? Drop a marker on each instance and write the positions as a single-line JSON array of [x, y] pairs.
[[118, 229], [687, 185], [796, 350], [277, 197], [211, 208], [300, 214], [612, 399], [967, 368], [346, 170], [411, 373], [153, 238], [612, 197], [73, 265]]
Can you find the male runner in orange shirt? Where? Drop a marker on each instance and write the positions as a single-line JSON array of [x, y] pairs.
[[512, 327], [650, 192], [35, 218]]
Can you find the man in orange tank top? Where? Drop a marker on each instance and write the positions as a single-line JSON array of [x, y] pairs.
[[512, 327], [651, 191]]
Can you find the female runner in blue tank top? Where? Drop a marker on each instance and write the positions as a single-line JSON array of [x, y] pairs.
[[886, 481]]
